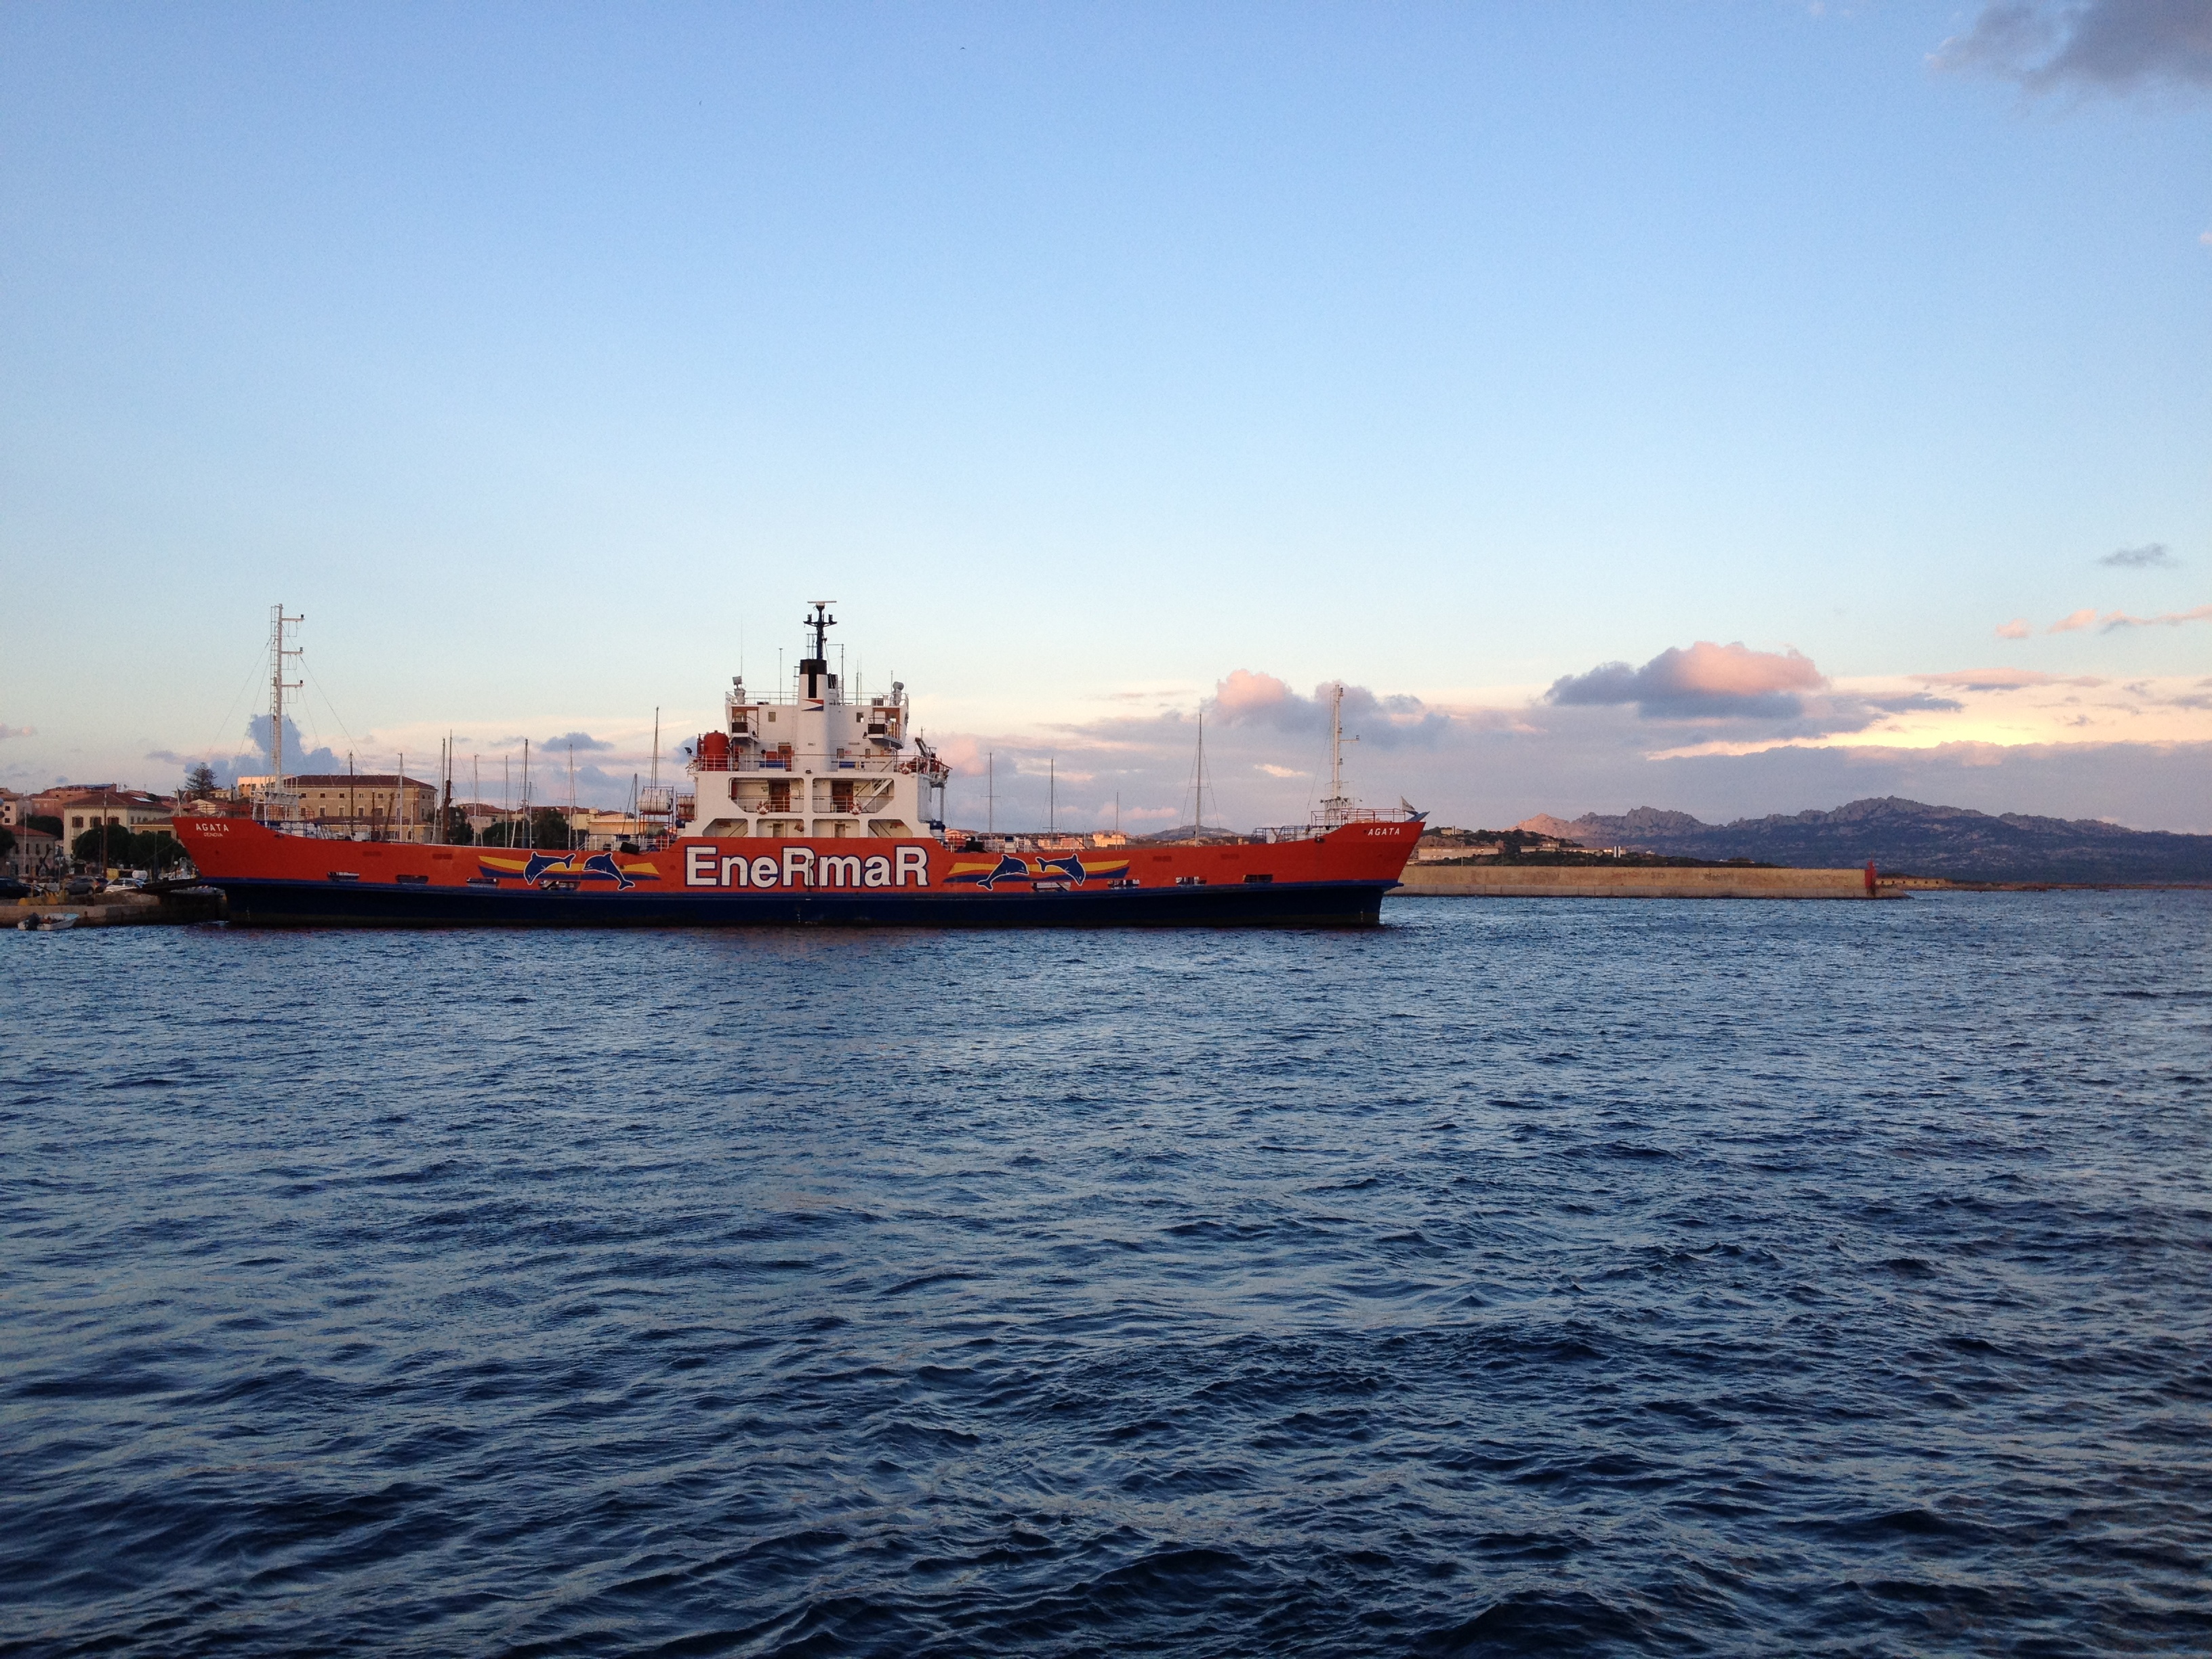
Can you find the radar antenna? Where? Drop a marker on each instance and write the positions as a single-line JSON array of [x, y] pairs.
[[814, 676]]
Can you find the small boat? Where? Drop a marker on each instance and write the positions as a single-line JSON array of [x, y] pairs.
[[52, 922]]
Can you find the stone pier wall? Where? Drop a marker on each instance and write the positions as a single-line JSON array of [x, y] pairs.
[[1631, 881]]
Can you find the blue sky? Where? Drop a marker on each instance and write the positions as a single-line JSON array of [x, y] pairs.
[[549, 358]]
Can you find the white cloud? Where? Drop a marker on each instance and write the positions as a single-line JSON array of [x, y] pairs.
[[2001, 679], [1246, 698], [2164, 619], [1705, 681]]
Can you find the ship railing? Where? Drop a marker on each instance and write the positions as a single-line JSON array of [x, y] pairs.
[[1320, 827], [322, 830], [777, 764], [1007, 840], [306, 828]]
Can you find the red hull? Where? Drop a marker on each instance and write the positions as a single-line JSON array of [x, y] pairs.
[[270, 877]]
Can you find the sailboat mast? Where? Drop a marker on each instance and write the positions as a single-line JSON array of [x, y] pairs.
[[1198, 781]]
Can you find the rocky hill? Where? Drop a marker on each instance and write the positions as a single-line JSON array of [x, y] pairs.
[[1913, 838]]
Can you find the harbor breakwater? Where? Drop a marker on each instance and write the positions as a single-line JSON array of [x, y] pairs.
[[1492, 880]]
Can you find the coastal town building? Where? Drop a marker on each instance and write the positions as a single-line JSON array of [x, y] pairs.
[[36, 854], [49, 803], [58, 801], [373, 805], [600, 830], [594, 828], [130, 809], [481, 815]]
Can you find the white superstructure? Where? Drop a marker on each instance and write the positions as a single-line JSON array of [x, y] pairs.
[[803, 762]]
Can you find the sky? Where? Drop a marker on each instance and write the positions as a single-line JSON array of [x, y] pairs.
[[1738, 409]]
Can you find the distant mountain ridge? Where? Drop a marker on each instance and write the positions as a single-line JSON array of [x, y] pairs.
[[1913, 838]]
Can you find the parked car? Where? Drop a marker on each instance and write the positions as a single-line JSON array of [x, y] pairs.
[[14, 889], [78, 887], [124, 884]]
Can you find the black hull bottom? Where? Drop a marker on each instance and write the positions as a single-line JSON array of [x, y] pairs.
[[349, 904]]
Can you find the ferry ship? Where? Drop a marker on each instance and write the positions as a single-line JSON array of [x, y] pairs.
[[804, 808]]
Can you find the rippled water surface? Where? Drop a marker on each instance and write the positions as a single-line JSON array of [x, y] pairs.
[[1518, 1276]]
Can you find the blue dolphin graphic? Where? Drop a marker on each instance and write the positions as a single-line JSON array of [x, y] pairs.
[[564, 867], [604, 864], [1010, 868], [1071, 866]]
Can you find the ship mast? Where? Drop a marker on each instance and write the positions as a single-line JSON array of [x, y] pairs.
[[278, 685], [1337, 809]]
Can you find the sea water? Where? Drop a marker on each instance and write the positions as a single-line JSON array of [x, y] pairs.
[[1521, 1276]]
